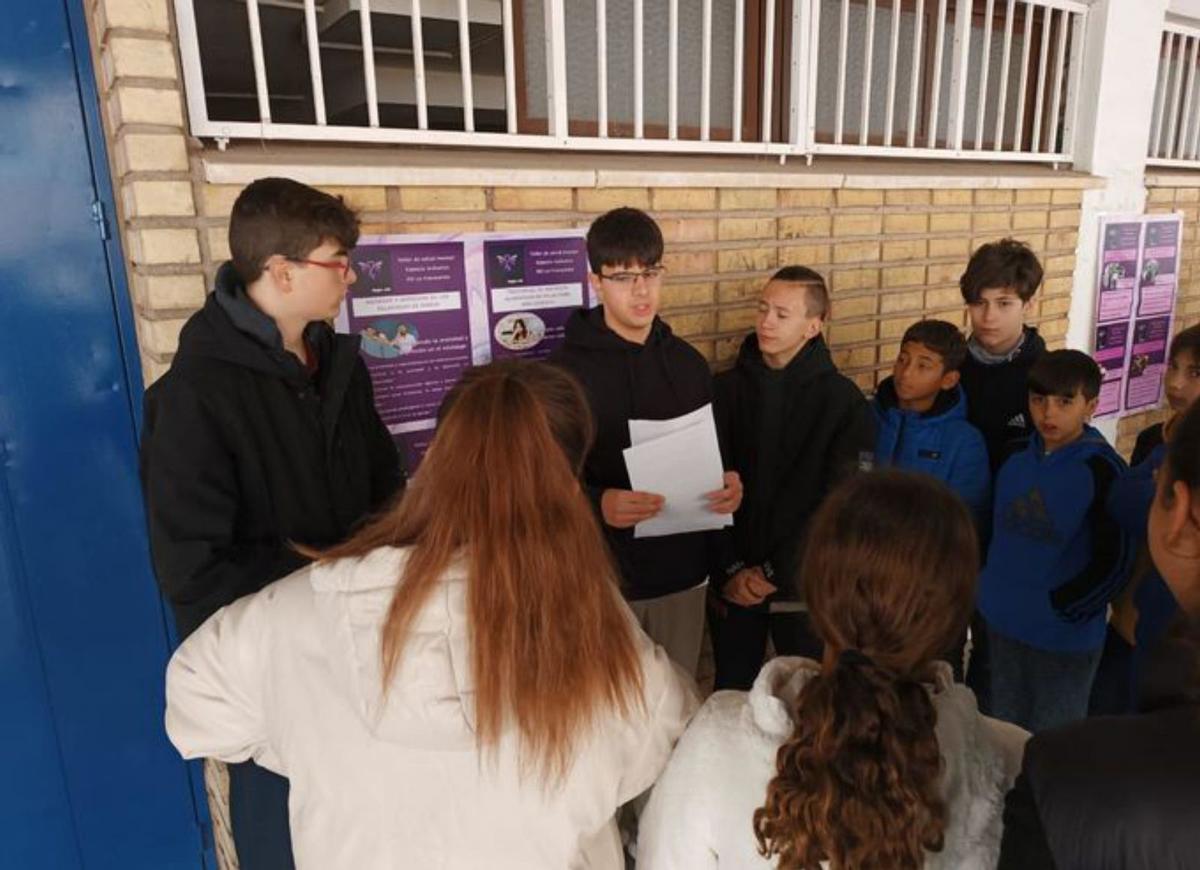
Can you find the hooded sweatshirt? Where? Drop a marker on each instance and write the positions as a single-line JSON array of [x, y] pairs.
[[791, 434], [664, 378], [243, 452], [939, 442], [997, 391], [1057, 556], [291, 678], [700, 812]]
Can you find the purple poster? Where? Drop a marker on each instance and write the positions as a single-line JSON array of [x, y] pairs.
[[1118, 270], [1111, 342], [409, 306], [1160, 266], [1147, 362], [533, 286]]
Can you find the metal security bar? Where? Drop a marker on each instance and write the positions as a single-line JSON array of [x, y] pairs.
[[1175, 123], [960, 79]]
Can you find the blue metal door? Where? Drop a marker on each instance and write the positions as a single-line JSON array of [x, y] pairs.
[[87, 777]]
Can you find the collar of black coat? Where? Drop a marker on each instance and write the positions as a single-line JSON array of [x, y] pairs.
[[1170, 676], [812, 360]]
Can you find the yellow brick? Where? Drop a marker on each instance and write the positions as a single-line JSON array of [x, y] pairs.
[[905, 223], [909, 249], [146, 58], [1036, 241], [1160, 194], [689, 262], [136, 14], [740, 290], [908, 197], [890, 303], [533, 199], [153, 369], [691, 323], [1056, 286], [736, 319], [848, 333], [162, 292], [160, 336], [855, 279], [747, 260], [150, 152], [993, 197], [130, 104], [1061, 263], [952, 222], [952, 197], [855, 306], [158, 199], [805, 198], [736, 229], [218, 243], [688, 294], [442, 227], [855, 252], [164, 246], [865, 382], [805, 226], [218, 199], [371, 198], [726, 349], [903, 276], [1056, 305], [944, 273], [704, 348], [854, 197], [1062, 241], [602, 199], [985, 221], [1184, 194], [894, 327], [1030, 220], [1068, 197], [677, 230], [1064, 218], [1032, 197], [683, 198], [1053, 329], [803, 255], [856, 225], [522, 226], [957, 247], [945, 297], [734, 198]]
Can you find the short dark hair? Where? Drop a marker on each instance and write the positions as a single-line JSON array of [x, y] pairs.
[[624, 235], [943, 338], [1006, 263], [1064, 373], [1187, 340], [816, 303], [281, 216]]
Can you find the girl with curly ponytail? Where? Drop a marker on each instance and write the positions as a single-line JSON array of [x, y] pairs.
[[873, 758]]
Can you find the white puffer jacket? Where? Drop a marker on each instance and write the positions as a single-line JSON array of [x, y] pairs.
[[700, 815], [290, 677]]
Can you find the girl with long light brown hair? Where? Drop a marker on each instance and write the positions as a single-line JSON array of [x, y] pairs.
[[459, 685], [873, 758]]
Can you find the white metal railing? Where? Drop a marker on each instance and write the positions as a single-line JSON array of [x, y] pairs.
[[976, 79], [1175, 124]]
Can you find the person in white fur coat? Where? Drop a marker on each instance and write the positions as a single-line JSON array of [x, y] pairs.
[[874, 757]]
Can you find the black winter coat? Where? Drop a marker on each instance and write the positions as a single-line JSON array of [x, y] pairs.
[[791, 435], [1117, 792], [243, 453], [998, 397], [665, 377]]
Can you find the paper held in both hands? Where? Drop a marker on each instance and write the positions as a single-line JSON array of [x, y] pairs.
[[680, 460]]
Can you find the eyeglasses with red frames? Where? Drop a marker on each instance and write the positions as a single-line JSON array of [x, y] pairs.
[[344, 267]]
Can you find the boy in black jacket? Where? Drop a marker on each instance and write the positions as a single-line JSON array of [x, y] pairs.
[[263, 433], [791, 426], [633, 367]]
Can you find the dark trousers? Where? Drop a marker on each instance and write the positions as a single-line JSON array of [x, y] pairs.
[[739, 638], [1038, 689], [258, 814]]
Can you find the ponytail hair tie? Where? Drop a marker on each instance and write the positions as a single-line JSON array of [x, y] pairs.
[[853, 658]]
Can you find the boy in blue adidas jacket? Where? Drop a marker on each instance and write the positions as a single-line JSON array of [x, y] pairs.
[[922, 414], [1057, 557]]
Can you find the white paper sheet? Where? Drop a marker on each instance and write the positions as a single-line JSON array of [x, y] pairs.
[[680, 460]]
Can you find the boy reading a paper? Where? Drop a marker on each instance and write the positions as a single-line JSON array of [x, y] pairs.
[[791, 426], [633, 367]]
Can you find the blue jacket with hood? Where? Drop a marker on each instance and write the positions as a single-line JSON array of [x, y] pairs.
[[1057, 556], [939, 442]]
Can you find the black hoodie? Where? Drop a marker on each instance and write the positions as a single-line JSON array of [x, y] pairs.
[[665, 377], [244, 452], [791, 434], [998, 396]]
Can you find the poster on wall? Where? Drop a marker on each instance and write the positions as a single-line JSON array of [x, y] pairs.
[[1119, 244], [1160, 265], [1147, 362], [427, 307], [1112, 339]]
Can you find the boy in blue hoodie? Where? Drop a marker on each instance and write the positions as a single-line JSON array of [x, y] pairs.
[[1057, 557], [922, 415]]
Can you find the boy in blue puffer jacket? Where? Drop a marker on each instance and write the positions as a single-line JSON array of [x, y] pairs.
[[922, 414], [1057, 557]]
